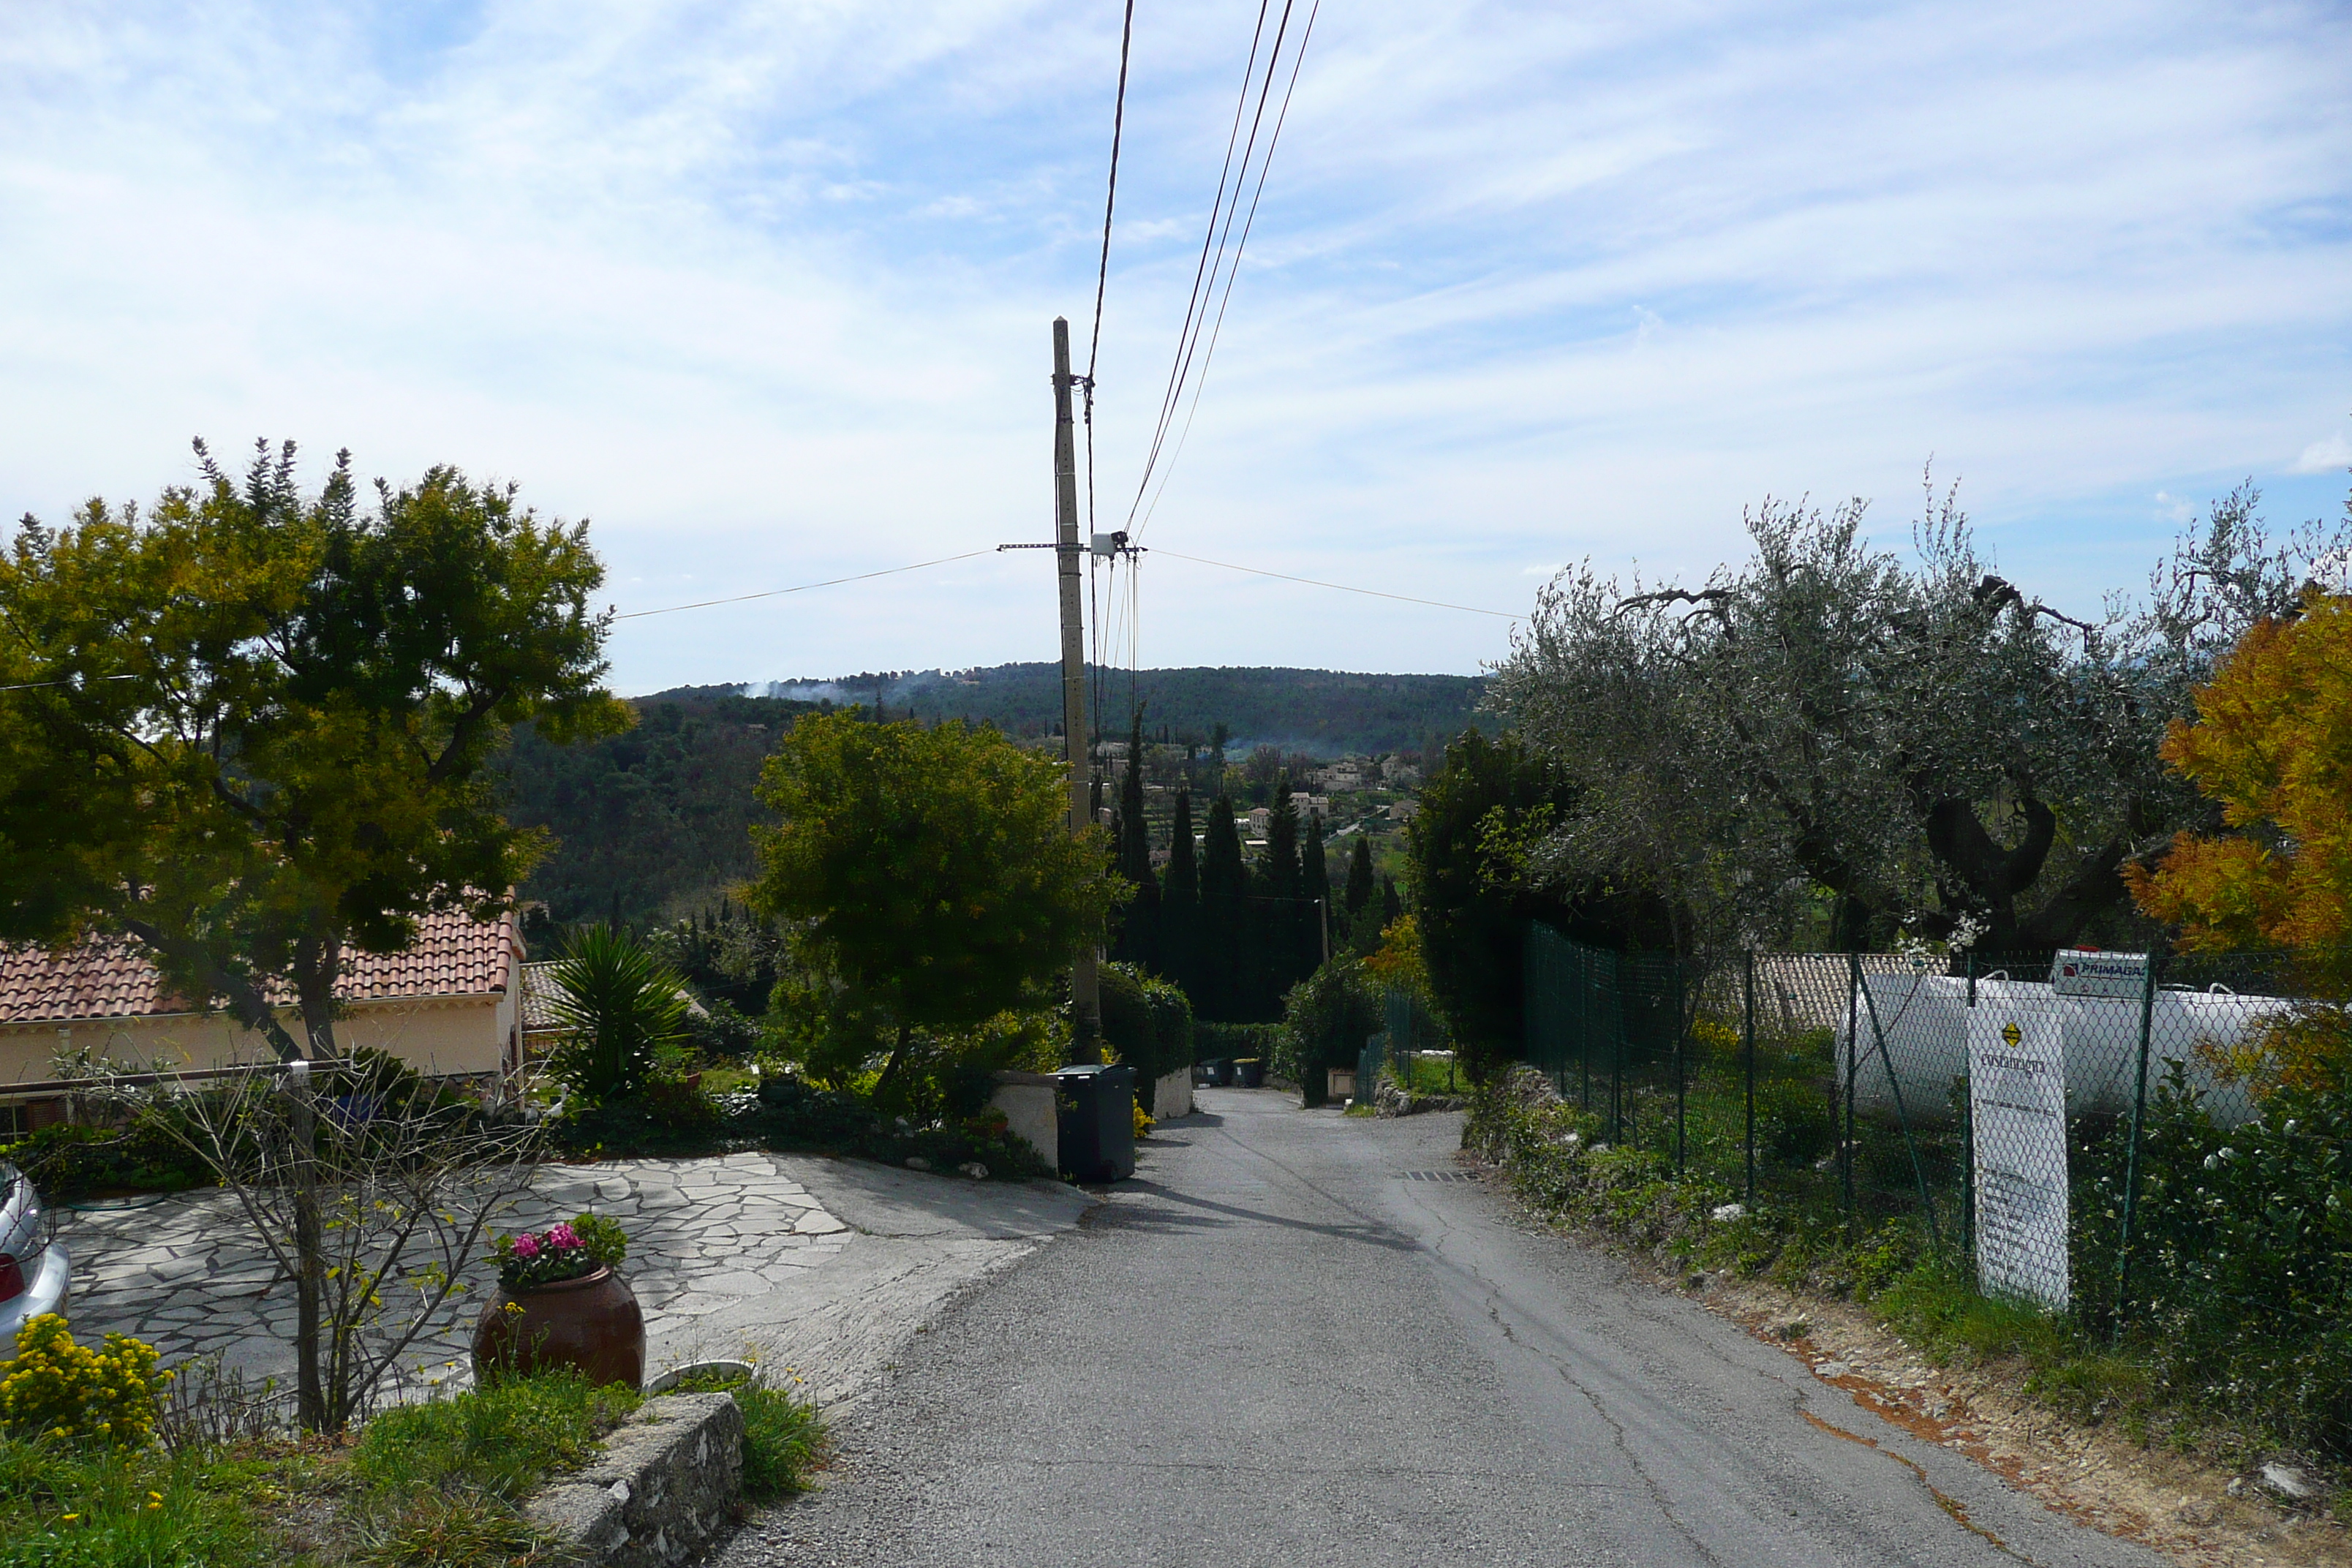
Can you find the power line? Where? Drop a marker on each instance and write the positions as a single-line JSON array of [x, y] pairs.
[[1111, 198], [1173, 393], [1102, 270], [1217, 331], [68, 680], [1342, 587], [805, 587]]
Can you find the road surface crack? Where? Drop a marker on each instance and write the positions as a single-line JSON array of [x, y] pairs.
[[1944, 1499], [1658, 1493]]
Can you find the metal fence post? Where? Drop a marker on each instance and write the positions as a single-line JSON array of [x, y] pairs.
[[1682, 1071], [1852, 1056], [2131, 1155], [1748, 1028], [1968, 1140], [1584, 1028]]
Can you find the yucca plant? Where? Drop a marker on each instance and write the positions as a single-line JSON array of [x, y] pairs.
[[621, 1009]]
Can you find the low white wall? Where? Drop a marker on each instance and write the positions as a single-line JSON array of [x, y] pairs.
[[1028, 1101], [1173, 1095]]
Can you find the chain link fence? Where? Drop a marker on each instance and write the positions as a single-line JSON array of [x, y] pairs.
[[2108, 1155]]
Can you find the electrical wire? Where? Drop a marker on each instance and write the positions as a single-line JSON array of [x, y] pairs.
[[1110, 198], [68, 680], [1173, 393], [1342, 587], [805, 587], [1189, 345], [1217, 331]]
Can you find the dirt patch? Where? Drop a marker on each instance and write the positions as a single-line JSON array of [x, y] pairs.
[[2176, 1504]]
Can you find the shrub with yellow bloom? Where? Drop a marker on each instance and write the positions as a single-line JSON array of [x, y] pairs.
[[109, 1396]]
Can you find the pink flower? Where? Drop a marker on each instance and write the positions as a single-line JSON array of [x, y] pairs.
[[564, 1236], [526, 1245]]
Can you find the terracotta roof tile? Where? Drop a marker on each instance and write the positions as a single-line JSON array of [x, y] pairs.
[[110, 977]]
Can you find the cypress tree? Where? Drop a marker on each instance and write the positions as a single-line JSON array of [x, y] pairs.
[[1139, 930], [1273, 944], [1217, 935], [1391, 905], [1180, 902], [1361, 882], [1315, 884]]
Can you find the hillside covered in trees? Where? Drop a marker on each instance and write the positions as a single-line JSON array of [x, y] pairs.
[[1321, 713], [659, 819]]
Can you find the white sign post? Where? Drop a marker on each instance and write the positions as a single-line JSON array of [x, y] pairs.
[[2017, 1106]]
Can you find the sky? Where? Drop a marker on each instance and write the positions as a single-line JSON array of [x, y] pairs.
[[765, 292]]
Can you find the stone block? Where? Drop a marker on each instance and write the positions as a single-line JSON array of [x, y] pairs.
[[1173, 1095], [667, 1483], [1028, 1101]]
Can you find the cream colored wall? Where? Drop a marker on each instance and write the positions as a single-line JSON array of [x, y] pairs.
[[464, 1034]]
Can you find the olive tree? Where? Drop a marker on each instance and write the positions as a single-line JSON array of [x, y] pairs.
[[1924, 742]]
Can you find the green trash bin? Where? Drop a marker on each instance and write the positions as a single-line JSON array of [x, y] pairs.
[[1095, 1110]]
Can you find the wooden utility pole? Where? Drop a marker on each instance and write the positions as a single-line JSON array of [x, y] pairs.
[[1085, 992]]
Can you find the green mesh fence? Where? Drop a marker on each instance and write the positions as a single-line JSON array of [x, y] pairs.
[[2108, 1133]]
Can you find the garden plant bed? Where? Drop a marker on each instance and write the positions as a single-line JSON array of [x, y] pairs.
[[445, 1483]]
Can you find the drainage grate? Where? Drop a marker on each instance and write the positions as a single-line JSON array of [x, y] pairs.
[[1437, 1175]]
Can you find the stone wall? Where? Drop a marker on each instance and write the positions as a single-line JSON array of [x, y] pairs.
[[667, 1483]]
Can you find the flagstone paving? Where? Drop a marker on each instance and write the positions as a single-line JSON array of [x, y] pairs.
[[186, 1273]]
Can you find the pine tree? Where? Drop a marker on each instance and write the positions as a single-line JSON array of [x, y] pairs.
[[1180, 903], [1218, 935]]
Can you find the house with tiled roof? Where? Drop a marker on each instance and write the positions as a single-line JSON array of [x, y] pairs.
[[450, 1005]]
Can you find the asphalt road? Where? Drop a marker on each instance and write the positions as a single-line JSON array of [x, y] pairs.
[[1273, 1346]]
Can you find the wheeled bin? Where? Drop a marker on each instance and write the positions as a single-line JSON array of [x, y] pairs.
[[1096, 1122]]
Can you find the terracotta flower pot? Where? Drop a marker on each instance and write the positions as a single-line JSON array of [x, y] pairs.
[[592, 1323]]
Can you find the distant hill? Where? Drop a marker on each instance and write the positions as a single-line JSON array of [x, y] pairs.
[[1322, 712], [657, 821]]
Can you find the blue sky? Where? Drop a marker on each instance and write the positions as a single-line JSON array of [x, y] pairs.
[[764, 290]]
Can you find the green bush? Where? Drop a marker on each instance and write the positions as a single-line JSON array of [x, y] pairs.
[[1149, 1023], [67, 1162], [1326, 1021]]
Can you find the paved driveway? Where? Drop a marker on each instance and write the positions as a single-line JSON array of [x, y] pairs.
[[825, 1266]]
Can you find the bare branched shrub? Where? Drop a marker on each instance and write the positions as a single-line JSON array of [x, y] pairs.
[[369, 1186]]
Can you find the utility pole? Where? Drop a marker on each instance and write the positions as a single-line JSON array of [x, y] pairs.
[[1085, 996]]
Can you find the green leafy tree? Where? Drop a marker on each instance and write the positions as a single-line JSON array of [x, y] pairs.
[[1327, 1020], [928, 876], [1470, 894], [258, 726], [250, 730]]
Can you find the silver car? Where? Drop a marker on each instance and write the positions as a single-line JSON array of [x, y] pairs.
[[33, 1263]]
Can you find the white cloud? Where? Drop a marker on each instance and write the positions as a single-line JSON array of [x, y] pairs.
[[2322, 457], [765, 288], [2174, 509]]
